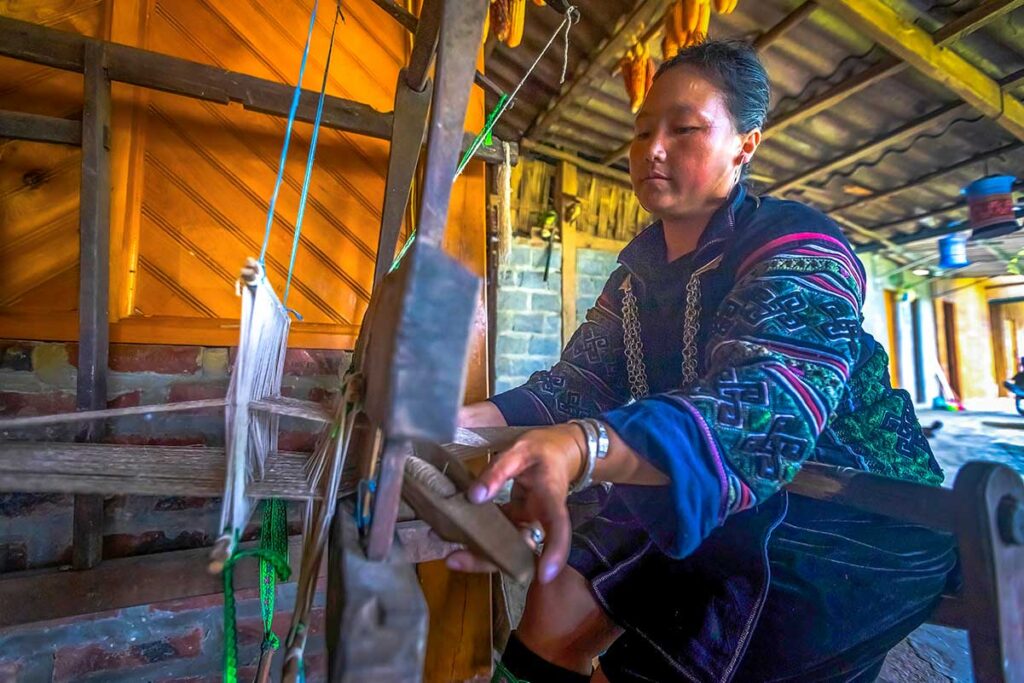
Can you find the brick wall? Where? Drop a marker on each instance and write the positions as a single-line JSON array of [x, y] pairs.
[[175, 642], [529, 329]]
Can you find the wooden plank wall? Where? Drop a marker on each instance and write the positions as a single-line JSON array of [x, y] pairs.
[[191, 180], [608, 209]]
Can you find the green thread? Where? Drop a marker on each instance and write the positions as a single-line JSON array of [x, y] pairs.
[[279, 562], [274, 538], [483, 137]]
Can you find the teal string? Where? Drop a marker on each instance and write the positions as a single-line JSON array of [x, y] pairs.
[[309, 158], [481, 137], [287, 136], [280, 565]]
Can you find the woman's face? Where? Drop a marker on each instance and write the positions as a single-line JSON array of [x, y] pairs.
[[686, 152]]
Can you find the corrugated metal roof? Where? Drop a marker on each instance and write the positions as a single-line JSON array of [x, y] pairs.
[[815, 55]]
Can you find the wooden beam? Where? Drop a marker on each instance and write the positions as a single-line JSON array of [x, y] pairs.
[[94, 286], [869, 148], [785, 25], [566, 191], [975, 19], [17, 125], [120, 583], [918, 48], [600, 62], [889, 66], [833, 96], [561, 155], [63, 50], [927, 177], [880, 143]]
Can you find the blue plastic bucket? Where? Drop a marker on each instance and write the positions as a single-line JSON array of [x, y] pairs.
[[953, 251], [990, 206]]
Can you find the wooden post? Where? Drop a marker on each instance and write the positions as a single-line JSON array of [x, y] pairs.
[[566, 189], [93, 293]]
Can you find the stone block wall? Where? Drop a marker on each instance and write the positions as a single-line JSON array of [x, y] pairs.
[[529, 334], [529, 329], [593, 266], [176, 641]]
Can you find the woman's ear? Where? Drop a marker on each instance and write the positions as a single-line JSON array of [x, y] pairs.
[[748, 145]]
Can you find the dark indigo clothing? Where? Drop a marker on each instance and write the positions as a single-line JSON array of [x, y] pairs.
[[786, 373]]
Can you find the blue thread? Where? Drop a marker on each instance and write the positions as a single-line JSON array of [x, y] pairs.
[[309, 159], [287, 137], [364, 489]]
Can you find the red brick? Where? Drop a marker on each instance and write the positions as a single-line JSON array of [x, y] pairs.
[[18, 403], [296, 441], [127, 400], [310, 362], [319, 395], [165, 360], [196, 391], [71, 663], [250, 630]]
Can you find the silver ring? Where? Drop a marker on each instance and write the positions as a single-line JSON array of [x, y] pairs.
[[536, 535]]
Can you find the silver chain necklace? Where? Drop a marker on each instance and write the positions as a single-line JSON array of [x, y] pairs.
[[634, 347]]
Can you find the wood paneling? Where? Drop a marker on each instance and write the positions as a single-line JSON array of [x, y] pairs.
[[191, 180]]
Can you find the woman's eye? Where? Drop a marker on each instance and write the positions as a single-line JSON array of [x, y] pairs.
[[642, 135], [684, 130]]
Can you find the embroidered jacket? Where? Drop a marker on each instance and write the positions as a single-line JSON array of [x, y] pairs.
[[766, 314]]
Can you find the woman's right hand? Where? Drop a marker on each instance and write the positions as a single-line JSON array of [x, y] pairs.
[[482, 414]]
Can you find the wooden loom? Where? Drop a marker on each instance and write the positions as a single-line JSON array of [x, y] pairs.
[[422, 311]]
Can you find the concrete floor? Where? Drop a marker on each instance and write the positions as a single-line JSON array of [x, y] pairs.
[[933, 653]]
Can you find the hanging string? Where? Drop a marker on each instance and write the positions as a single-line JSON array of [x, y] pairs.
[[280, 565], [310, 157], [287, 136], [505, 102], [572, 17]]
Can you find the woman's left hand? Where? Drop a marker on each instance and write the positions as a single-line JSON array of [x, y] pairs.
[[543, 463]]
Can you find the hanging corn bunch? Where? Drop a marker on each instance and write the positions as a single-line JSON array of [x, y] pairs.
[[508, 17], [725, 6], [686, 23], [638, 74]]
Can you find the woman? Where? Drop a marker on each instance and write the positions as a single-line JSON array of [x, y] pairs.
[[725, 351]]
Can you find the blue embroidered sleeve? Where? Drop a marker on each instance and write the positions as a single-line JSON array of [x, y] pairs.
[[782, 349], [590, 377]]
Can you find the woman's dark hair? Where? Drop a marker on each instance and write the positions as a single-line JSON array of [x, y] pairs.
[[733, 66]]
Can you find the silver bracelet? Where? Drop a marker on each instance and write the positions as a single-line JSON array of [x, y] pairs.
[[590, 433], [597, 449]]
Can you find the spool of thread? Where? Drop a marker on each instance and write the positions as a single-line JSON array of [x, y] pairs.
[[953, 251], [990, 206]]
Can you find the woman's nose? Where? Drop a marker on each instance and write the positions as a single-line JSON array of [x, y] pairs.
[[654, 149]]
